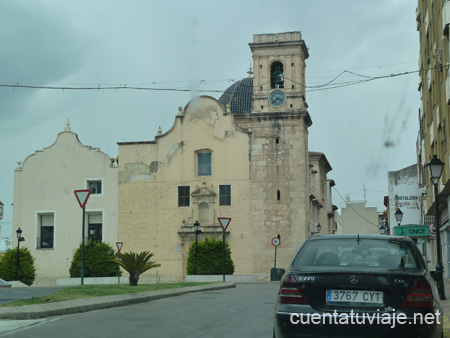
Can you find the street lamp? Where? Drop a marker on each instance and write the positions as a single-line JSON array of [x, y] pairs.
[[398, 216], [19, 239], [197, 232], [435, 167], [318, 227]]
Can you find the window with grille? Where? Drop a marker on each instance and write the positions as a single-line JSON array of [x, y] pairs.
[[95, 186], [46, 231], [184, 194], [224, 194]]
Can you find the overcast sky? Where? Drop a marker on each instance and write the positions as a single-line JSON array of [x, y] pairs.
[[365, 128]]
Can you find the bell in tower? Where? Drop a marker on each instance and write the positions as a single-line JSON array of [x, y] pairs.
[[279, 72]]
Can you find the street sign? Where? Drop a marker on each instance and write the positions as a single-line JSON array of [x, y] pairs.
[[119, 246], [275, 241], [224, 222], [82, 196], [412, 230], [432, 229]]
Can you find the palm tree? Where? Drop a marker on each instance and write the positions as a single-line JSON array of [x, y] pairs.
[[135, 264]]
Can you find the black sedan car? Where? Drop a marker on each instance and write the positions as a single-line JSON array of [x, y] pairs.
[[358, 286]]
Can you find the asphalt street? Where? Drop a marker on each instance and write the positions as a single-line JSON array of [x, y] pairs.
[[245, 310]]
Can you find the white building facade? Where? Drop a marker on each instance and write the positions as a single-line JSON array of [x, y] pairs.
[[47, 211]]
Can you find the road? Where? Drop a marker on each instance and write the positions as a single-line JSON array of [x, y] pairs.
[[244, 311]]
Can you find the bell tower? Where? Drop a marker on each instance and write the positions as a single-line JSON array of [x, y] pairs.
[[279, 123], [278, 72]]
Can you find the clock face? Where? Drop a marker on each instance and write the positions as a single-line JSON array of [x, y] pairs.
[[277, 98]]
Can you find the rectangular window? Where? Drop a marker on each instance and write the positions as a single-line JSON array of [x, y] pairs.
[[184, 194], [95, 227], [95, 186], [224, 194], [204, 164], [46, 231]]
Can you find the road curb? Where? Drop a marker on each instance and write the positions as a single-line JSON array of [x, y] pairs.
[[446, 327], [90, 304]]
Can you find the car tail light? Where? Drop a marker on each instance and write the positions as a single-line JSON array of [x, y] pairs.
[[290, 292], [420, 295]]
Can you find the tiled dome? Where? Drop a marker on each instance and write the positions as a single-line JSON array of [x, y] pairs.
[[239, 96]]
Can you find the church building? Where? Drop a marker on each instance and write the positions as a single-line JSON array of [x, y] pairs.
[[244, 156]]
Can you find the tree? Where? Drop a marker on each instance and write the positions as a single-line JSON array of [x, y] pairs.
[[136, 263], [210, 258], [8, 266], [98, 258]]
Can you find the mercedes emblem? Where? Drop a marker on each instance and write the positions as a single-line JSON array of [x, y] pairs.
[[353, 279]]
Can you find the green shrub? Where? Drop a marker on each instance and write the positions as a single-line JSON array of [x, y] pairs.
[[136, 263], [8, 266], [210, 258], [98, 258]]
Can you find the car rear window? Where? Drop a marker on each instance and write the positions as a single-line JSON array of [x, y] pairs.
[[392, 254]]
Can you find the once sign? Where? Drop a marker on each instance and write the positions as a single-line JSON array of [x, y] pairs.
[[412, 231]]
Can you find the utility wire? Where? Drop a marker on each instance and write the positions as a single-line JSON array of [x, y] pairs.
[[348, 205], [328, 85]]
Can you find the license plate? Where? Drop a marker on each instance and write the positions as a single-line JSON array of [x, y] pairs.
[[354, 296]]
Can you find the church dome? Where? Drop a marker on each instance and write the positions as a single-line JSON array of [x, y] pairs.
[[239, 96]]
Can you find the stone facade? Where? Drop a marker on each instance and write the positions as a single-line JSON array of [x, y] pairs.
[[256, 148], [321, 208]]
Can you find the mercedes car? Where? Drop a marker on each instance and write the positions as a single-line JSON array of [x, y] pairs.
[[358, 286]]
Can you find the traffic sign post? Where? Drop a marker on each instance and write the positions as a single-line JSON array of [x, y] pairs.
[[224, 222], [119, 247], [82, 198], [275, 243]]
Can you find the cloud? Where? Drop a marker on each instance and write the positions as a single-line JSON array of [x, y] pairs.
[[38, 48]]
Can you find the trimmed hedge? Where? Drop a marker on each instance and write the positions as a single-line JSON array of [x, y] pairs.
[[8, 266], [210, 258], [98, 261]]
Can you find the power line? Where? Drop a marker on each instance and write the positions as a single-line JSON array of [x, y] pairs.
[[348, 205], [328, 85]]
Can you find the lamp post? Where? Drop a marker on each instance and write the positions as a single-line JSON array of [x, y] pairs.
[[398, 216], [197, 232], [19, 239], [435, 167], [318, 227]]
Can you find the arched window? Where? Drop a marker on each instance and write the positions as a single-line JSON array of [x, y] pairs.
[[277, 75], [278, 195]]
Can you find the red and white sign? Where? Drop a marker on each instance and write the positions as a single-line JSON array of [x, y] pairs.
[[82, 196], [119, 246], [432, 229], [224, 222], [275, 241]]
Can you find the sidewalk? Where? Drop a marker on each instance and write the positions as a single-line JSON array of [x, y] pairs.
[[89, 304]]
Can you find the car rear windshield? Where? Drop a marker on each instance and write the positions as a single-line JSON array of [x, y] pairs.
[[392, 254]]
